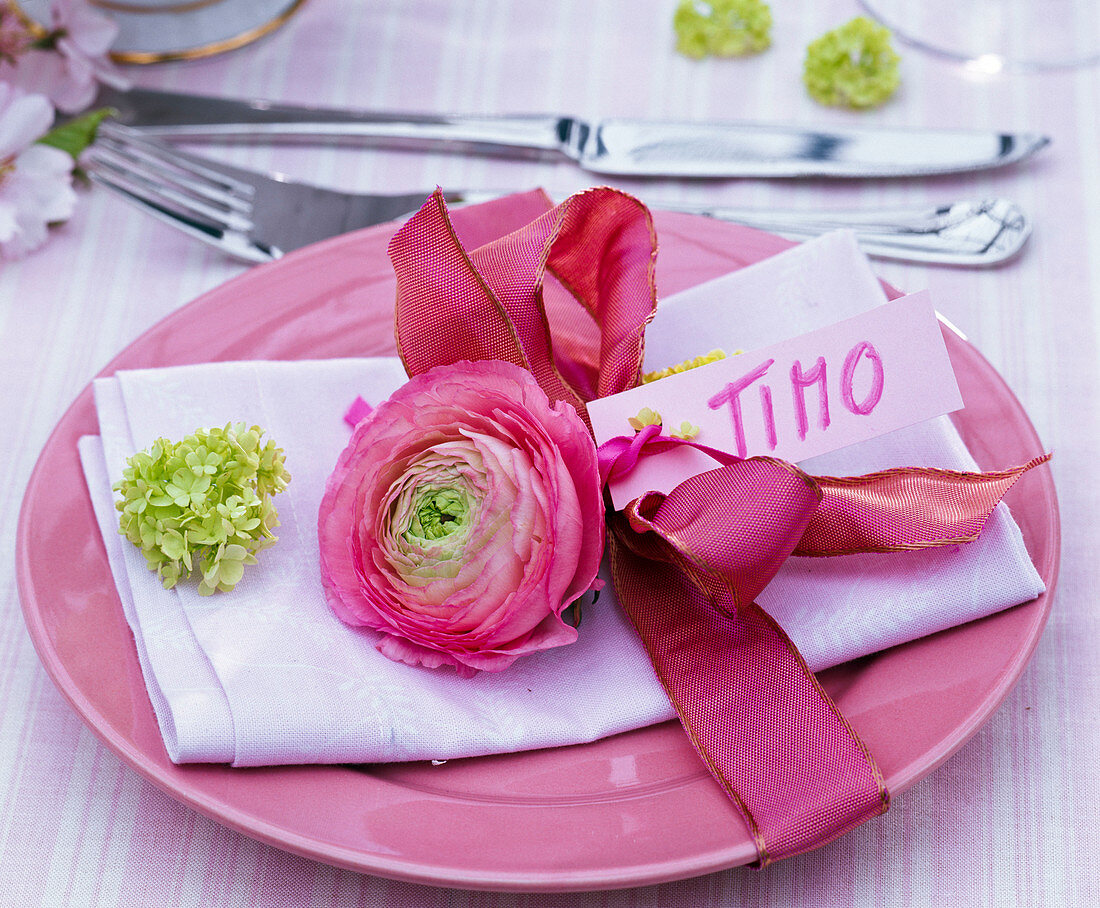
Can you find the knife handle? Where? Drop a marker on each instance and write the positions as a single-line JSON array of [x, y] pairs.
[[199, 118]]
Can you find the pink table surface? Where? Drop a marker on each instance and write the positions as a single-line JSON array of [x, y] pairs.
[[1011, 819]]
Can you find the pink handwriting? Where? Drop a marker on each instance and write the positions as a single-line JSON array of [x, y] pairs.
[[801, 380], [850, 362], [731, 394]]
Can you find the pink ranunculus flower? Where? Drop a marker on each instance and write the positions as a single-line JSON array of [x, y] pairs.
[[464, 515], [35, 180]]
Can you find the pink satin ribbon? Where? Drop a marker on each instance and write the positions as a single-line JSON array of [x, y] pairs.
[[689, 565]]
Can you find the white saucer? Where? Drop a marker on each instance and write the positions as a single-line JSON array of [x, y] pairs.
[[152, 31]]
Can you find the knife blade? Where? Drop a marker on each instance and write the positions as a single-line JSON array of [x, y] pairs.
[[618, 147]]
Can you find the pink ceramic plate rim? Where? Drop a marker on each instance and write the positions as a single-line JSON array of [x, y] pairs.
[[55, 602]]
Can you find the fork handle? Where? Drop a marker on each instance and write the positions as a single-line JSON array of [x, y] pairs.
[[967, 233], [964, 233]]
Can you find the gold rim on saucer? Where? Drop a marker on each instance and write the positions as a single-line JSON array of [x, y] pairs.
[[158, 32]]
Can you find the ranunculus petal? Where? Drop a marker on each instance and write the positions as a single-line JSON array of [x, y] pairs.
[[463, 517], [400, 650]]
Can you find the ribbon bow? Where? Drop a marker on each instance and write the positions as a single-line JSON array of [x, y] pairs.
[[688, 565]]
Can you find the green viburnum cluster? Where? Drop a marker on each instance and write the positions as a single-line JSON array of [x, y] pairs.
[[203, 503], [852, 66], [723, 28]]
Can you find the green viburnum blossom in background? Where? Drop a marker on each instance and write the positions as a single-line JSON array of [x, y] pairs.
[[203, 504], [722, 28], [852, 66]]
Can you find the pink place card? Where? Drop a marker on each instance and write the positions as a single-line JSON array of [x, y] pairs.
[[842, 384]]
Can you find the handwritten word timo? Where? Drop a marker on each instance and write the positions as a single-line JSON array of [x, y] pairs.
[[802, 381]]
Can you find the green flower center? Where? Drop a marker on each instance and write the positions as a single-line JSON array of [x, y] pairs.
[[438, 513]]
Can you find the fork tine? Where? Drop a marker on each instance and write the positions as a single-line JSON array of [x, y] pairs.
[[145, 198], [232, 242], [161, 187], [188, 167], [154, 171], [125, 158], [249, 215], [215, 208]]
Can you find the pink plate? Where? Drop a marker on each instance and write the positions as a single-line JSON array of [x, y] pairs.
[[630, 810]]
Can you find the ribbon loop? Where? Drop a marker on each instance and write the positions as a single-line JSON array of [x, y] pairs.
[[739, 522], [440, 322], [489, 304]]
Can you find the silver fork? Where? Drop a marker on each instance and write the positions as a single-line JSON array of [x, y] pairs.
[[259, 218]]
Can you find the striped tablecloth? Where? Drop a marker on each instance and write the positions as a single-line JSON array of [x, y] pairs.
[[1010, 820]]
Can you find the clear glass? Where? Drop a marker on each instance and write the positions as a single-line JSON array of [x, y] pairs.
[[994, 35]]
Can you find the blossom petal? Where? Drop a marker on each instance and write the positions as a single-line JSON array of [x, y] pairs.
[[24, 118]]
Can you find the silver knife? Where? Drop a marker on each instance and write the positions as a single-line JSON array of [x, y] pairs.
[[620, 147]]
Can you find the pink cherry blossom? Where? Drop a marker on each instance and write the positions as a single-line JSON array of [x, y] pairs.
[[35, 180], [14, 34], [464, 515], [71, 60]]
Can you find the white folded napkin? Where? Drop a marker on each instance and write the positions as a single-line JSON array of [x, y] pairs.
[[268, 675]]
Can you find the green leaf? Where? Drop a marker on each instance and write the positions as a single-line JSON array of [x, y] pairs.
[[76, 135]]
